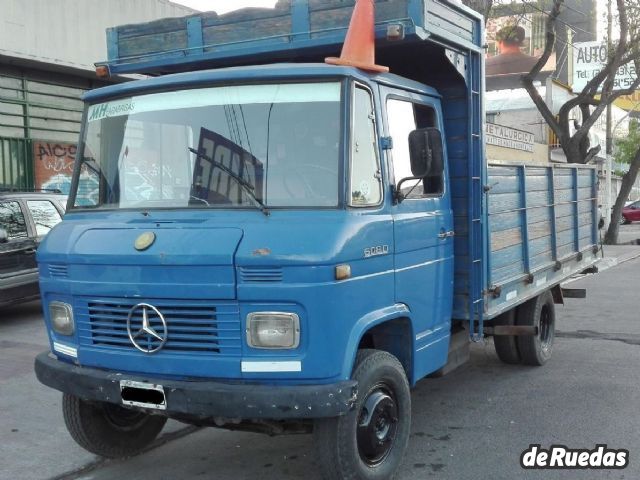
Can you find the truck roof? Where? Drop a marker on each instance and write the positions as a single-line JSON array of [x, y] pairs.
[[265, 73]]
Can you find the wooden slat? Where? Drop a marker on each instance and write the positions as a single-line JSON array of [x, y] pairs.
[[506, 238], [340, 15], [145, 44], [248, 30]]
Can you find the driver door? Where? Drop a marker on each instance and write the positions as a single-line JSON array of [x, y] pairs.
[[423, 233]]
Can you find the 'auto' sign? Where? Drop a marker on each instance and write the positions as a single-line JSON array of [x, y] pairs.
[[589, 58]]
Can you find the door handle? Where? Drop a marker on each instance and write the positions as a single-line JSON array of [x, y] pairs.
[[446, 234]]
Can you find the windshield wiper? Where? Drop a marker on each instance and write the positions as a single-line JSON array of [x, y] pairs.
[[248, 188]]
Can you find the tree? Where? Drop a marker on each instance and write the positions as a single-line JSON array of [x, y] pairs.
[[595, 97], [627, 151], [598, 93], [483, 7]]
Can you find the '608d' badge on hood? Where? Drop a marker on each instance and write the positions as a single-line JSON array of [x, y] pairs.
[[144, 241]]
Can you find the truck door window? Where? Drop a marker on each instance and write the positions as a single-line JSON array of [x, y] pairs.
[[404, 117], [12, 220], [44, 215], [365, 184]]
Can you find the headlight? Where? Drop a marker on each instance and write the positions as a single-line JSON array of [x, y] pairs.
[[61, 315], [273, 330]]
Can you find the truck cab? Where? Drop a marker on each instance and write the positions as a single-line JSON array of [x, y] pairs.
[[195, 257], [221, 176]]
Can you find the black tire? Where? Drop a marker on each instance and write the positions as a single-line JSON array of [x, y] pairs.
[[624, 220], [345, 446], [506, 345], [539, 312], [109, 430]]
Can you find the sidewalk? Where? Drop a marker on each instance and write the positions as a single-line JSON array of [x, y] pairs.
[[617, 254]]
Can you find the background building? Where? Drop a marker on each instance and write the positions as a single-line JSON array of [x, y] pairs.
[[47, 51], [508, 105]]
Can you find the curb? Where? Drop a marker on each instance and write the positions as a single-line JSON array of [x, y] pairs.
[[608, 262]]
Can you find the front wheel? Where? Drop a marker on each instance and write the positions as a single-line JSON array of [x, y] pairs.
[[368, 442], [109, 430]]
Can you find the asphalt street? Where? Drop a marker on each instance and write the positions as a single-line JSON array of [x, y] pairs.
[[472, 424]]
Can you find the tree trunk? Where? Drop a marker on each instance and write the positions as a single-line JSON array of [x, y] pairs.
[[629, 178]]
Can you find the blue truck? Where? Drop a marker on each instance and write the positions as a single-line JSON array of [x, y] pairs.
[[285, 246]]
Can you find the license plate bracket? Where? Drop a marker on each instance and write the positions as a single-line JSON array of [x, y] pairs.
[[142, 394]]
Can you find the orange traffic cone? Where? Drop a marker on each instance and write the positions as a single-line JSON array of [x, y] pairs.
[[359, 49]]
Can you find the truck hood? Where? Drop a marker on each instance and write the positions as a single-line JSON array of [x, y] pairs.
[[183, 261], [206, 255]]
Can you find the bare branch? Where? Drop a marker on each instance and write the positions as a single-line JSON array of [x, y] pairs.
[[592, 153], [599, 110], [529, 78]]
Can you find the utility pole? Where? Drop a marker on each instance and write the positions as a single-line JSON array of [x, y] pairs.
[[609, 146]]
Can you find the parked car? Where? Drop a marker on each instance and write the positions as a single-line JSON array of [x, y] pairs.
[[25, 219], [631, 213]]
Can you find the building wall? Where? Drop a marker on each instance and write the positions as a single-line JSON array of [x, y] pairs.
[[40, 111], [47, 52], [71, 32]]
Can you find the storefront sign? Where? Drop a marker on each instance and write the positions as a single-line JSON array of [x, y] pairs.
[[507, 137], [589, 58]]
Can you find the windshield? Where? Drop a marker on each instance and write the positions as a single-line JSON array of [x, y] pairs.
[[233, 146]]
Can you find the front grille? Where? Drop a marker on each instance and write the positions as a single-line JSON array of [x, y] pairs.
[[192, 326]]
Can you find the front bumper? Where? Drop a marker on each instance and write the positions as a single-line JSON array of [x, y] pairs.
[[204, 398]]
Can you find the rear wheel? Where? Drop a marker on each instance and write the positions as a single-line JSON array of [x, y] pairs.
[[538, 312], [369, 442], [109, 430], [506, 345]]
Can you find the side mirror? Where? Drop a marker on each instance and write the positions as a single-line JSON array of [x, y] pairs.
[[425, 147], [426, 156], [4, 236]]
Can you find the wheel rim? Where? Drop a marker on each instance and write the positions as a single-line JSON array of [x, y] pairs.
[[377, 425], [123, 418], [546, 329]]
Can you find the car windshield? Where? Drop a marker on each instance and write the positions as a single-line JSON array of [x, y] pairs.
[[232, 146]]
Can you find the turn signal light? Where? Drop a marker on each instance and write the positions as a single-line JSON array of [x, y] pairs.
[[343, 272]]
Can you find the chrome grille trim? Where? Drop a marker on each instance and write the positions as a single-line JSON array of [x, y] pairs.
[[194, 327]]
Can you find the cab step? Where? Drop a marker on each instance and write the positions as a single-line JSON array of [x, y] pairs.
[[458, 353]]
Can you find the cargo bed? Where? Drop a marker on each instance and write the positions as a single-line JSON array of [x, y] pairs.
[[542, 228], [294, 30]]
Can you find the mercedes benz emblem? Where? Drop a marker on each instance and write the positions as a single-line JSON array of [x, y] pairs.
[[145, 338]]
